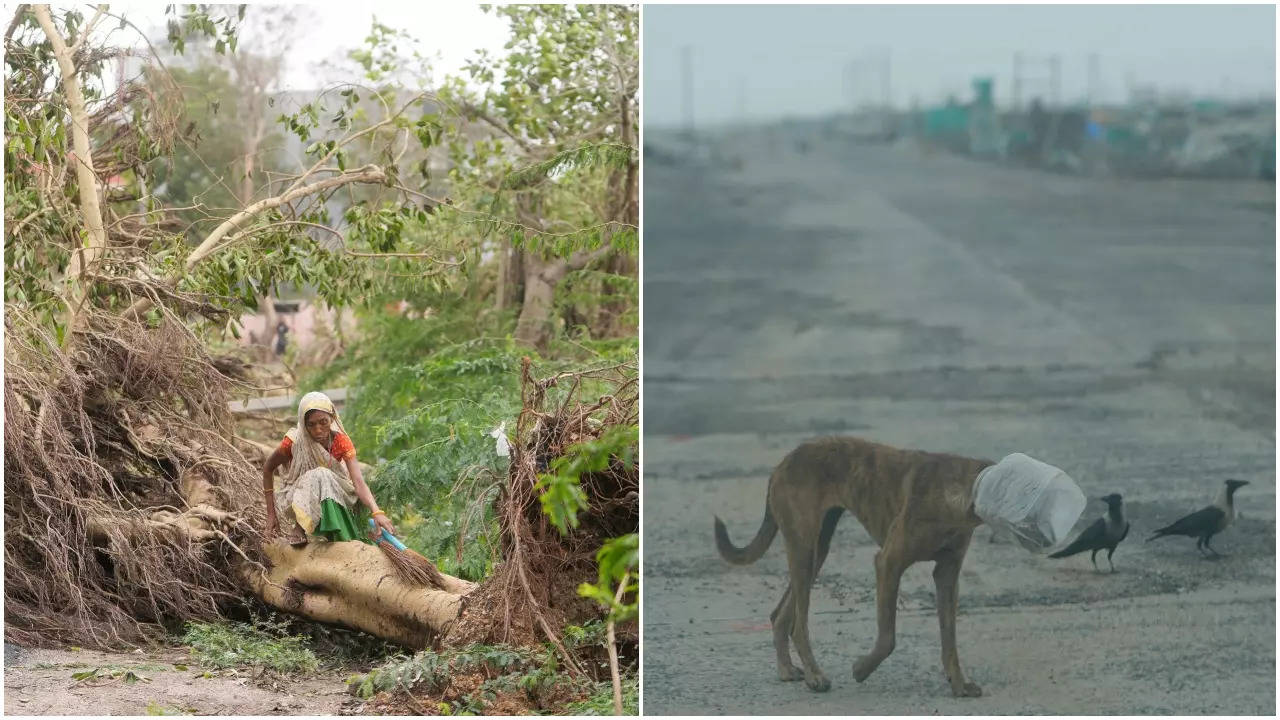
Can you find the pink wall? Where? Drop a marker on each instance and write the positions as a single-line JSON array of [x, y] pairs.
[[302, 325]]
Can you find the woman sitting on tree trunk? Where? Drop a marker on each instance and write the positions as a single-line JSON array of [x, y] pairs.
[[322, 480]]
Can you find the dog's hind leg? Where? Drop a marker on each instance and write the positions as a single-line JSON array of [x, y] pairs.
[[829, 522], [801, 556], [946, 579], [783, 616], [890, 564]]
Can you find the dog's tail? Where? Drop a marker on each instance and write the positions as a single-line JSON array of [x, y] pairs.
[[757, 546]]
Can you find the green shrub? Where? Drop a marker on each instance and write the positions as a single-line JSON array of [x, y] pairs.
[[224, 645], [431, 670], [600, 702]]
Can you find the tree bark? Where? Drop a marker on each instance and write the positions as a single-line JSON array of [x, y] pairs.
[[352, 584], [515, 275], [500, 289], [267, 306], [94, 244], [540, 279]]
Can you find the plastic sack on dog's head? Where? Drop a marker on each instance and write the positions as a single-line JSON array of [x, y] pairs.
[[1035, 501]]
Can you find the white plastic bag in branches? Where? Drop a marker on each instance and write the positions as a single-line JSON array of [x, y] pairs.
[[500, 445], [1035, 501]]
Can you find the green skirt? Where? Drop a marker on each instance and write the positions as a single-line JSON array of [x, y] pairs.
[[338, 523]]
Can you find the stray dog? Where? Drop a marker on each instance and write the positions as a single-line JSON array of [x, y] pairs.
[[916, 505]]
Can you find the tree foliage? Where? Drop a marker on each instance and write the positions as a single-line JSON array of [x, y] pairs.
[[429, 386], [131, 212]]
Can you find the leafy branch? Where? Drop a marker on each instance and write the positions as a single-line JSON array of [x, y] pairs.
[[560, 490], [609, 155]]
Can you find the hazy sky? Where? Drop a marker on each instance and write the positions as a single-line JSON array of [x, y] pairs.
[[449, 33], [773, 60]]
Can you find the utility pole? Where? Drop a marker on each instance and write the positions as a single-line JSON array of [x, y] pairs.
[[742, 100], [687, 56], [1095, 81], [1055, 79], [885, 78], [1017, 81], [863, 71], [1043, 73], [850, 83]]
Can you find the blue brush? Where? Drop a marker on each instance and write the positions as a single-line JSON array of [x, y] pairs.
[[395, 541]]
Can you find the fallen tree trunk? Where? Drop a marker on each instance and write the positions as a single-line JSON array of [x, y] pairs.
[[352, 584]]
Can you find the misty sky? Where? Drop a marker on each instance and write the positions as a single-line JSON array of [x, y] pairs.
[[772, 61], [448, 33]]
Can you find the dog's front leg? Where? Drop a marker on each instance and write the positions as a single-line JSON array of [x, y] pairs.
[[889, 568], [946, 579]]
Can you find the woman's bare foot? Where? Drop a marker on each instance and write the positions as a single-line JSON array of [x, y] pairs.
[[297, 538]]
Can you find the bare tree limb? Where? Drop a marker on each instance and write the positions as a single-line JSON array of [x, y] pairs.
[[17, 229], [580, 259], [367, 174], [426, 256], [613, 649], [350, 139], [15, 22], [502, 128], [88, 28], [285, 223], [95, 242]]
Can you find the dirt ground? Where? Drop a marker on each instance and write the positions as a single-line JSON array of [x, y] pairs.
[[1121, 330], [40, 682]]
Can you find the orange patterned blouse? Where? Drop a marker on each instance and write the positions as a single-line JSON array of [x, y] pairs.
[[341, 449]]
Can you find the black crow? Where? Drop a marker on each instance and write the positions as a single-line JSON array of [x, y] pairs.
[[1203, 524], [1104, 534]]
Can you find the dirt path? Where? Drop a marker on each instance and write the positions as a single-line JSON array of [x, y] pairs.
[[40, 682], [1122, 331]]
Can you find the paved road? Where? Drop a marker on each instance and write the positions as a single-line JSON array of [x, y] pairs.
[[1124, 331]]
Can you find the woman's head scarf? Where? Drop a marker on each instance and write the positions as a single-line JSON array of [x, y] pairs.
[[307, 453]]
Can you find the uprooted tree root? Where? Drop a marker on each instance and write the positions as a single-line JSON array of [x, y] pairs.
[[533, 592], [125, 502], [130, 509]]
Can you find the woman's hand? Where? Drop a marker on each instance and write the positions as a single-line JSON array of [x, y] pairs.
[[383, 524], [273, 525]]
